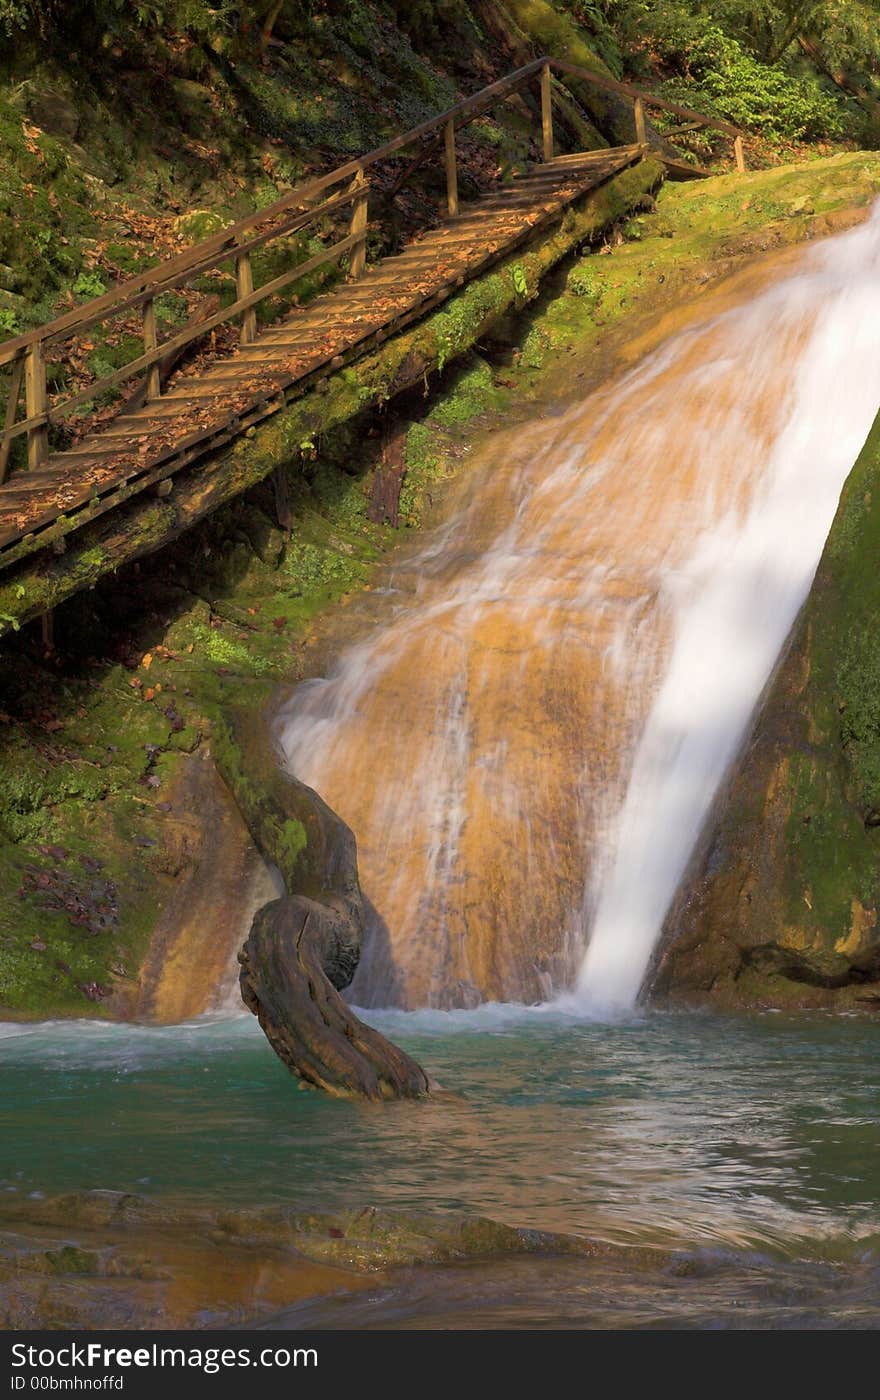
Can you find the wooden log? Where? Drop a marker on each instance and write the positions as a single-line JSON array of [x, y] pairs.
[[739, 155], [304, 948]]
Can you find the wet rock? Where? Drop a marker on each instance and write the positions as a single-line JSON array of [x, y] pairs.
[[107, 1259], [783, 909]]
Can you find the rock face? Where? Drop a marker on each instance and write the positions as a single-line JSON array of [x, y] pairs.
[[783, 908], [303, 949]]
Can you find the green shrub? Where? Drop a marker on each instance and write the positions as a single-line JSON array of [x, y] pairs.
[[755, 95]]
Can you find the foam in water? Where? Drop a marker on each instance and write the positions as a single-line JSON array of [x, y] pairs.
[[733, 603]]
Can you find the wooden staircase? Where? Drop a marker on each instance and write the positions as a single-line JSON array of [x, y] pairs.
[[206, 408]]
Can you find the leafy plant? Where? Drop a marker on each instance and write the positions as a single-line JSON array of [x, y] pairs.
[[89, 285]]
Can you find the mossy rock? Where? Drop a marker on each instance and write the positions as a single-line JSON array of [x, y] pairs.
[[784, 908]]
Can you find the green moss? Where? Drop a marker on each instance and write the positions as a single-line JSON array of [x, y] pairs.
[[71, 1259], [424, 466], [472, 391]]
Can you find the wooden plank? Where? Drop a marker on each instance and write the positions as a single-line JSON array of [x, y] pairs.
[[680, 170], [244, 286], [639, 119]]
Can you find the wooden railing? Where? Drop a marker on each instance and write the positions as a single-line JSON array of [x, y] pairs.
[[26, 355]]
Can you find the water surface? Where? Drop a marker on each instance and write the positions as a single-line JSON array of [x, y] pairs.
[[760, 1130]]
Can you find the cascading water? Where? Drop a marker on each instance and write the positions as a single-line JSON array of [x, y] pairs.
[[529, 749]]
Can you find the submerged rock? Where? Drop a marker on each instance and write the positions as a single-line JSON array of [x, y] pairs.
[[108, 1259]]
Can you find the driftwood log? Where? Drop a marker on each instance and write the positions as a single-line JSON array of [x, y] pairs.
[[303, 948]]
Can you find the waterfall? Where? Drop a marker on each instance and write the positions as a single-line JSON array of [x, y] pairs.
[[528, 747], [734, 599]]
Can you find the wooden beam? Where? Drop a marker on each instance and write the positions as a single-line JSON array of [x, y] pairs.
[[451, 171], [546, 113], [561, 65], [244, 286], [282, 504], [11, 410], [151, 340], [35, 405], [639, 117], [359, 219]]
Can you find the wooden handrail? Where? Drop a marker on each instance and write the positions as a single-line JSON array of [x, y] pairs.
[[189, 261], [26, 353], [649, 99]]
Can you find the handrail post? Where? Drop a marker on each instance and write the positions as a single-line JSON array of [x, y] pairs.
[[36, 404], [641, 128], [546, 113], [11, 410], [739, 155], [359, 225], [451, 171], [151, 341], [244, 285]]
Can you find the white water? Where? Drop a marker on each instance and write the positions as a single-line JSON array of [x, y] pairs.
[[733, 604]]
